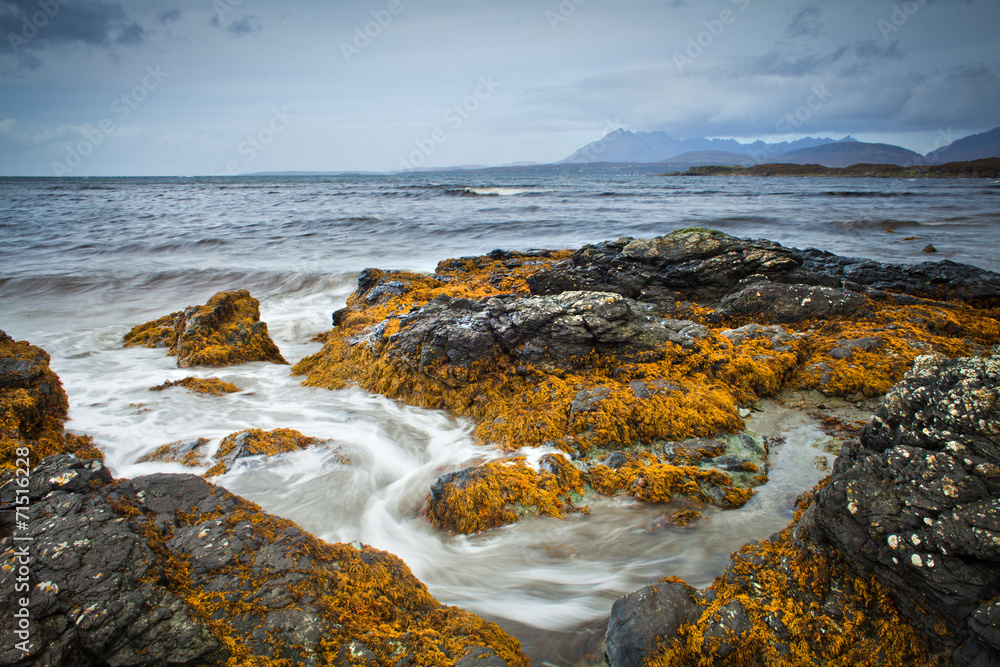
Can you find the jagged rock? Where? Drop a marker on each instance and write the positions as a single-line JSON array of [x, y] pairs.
[[705, 265], [254, 442], [33, 407], [169, 569], [226, 330], [897, 555], [777, 302], [559, 330], [917, 503]]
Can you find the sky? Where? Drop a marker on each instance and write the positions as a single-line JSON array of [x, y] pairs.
[[203, 87]]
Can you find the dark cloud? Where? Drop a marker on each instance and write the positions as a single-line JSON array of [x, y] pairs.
[[783, 63], [29, 26], [247, 25], [168, 17], [807, 23], [871, 49]]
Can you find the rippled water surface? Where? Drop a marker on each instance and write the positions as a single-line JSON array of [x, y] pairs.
[[83, 260]]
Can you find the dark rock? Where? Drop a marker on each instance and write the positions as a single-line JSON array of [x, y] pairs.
[[480, 656], [557, 329], [128, 572], [693, 450], [587, 399], [929, 248], [778, 302], [916, 502], [705, 265], [186, 452], [639, 619]]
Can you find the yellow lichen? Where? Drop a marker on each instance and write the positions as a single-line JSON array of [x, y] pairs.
[[256, 441]]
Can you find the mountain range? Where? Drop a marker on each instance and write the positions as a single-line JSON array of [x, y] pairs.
[[623, 146]]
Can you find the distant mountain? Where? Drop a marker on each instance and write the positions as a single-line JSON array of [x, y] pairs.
[[974, 147], [626, 146], [707, 158], [847, 153]]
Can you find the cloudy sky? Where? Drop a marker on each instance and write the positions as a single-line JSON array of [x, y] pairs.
[[97, 87]]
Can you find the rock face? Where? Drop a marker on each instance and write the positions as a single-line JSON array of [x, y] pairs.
[[33, 407], [631, 344], [893, 560], [211, 386], [169, 569], [226, 330]]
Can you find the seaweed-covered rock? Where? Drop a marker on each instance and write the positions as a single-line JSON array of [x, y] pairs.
[[170, 569], [33, 407], [585, 352], [894, 560], [186, 452], [255, 442], [211, 386], [226, 330]]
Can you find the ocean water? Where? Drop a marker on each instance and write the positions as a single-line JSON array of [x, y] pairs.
[[84, 260]]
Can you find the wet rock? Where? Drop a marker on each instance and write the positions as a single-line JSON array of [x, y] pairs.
[[185, 452], [227, 330], [33, 407], [777, 302], [560, 330], [916, 502], [257, 442], [130, 572], [774, 333], [211, 386], [640, 618]]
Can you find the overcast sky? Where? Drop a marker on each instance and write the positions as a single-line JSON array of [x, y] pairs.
[[213, 86]]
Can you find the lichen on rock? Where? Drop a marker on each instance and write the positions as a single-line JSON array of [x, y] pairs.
[[170, 569], [227, 330]]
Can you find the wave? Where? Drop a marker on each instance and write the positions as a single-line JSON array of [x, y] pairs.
[[874, 223], [108, 283], [487, 192], [863, 193]]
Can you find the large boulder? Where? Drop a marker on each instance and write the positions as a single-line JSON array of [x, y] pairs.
[[170, 569], [226, 330]]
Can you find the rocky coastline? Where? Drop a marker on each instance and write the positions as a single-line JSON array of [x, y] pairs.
[[623, 368]]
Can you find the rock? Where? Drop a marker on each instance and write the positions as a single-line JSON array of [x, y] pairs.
[[170, 569], [781, 303], [584, 351], [896, 555], [929, 249], [227, 330], [640, 618], [500, 492], [211, 386], [256, 442], [916, 502], [33, 407], [185, 452]]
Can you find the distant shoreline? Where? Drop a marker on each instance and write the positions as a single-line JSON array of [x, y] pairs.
[[986, 168]]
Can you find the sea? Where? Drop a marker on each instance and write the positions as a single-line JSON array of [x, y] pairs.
[[84, 260]]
